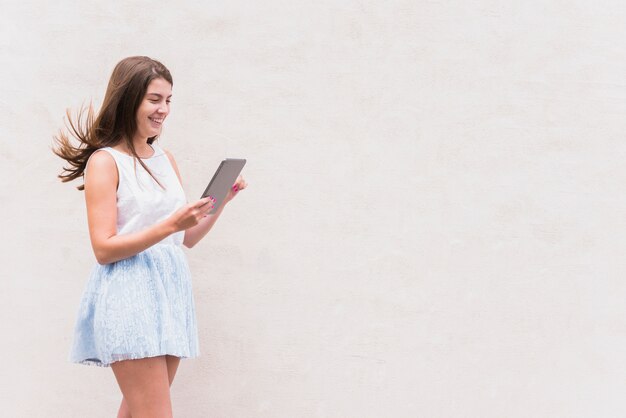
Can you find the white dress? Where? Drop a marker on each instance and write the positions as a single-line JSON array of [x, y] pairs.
[[141, 306]]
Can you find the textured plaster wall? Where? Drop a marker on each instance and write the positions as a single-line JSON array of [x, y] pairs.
[[434, 225]]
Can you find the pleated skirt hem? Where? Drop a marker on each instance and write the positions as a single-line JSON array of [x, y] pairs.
[[135, 308]]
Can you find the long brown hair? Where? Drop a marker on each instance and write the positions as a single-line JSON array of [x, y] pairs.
[[116, 121]]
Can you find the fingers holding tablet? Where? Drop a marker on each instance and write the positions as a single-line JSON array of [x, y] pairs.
[[226, 182], [241, 184]]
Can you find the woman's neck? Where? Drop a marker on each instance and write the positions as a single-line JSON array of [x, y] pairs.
[[142, 148]]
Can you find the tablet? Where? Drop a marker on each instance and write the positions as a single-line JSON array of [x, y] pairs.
[[224, 178]]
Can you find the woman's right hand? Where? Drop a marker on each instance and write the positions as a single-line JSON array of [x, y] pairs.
[[190, 214]]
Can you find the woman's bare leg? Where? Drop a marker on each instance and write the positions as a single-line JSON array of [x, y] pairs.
[[124, 411], [145, 386], [172, 366]]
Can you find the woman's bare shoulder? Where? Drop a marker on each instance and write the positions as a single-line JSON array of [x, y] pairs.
[[168, 153], [101, 169], [101, 161], [173, 162]]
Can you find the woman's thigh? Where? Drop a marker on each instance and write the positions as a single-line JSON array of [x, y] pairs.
[[172, 366], [145, 386]]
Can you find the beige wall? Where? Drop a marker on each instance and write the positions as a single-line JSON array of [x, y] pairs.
[[434, 224]]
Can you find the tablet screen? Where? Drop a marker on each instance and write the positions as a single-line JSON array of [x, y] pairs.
[[223, 179]]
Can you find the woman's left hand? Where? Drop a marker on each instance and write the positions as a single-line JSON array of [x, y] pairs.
[[239, 185]]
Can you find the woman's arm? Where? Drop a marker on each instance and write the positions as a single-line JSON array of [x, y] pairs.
[[194, 234], [100, 196]]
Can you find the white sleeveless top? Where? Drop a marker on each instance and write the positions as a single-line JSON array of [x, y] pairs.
[[141, 202]]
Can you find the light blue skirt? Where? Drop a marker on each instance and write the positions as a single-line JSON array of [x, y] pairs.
[[138, 307]]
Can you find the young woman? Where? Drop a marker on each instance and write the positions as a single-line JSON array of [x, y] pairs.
[[137, 312]]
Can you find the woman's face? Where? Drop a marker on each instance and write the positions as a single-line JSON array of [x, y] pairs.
[[154, 108]]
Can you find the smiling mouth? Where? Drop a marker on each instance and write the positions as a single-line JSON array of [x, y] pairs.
[[158, 121]]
